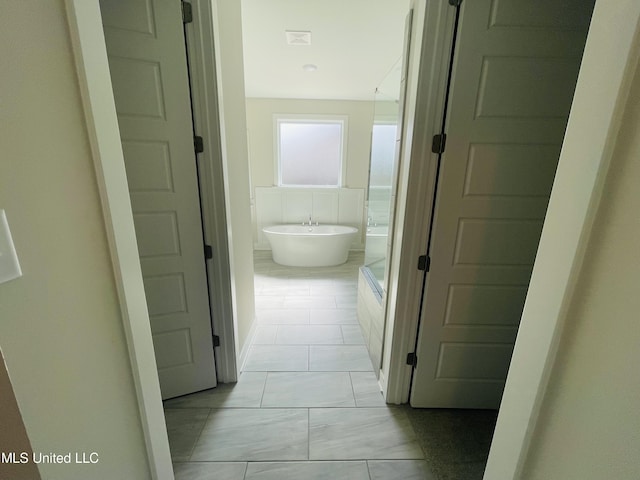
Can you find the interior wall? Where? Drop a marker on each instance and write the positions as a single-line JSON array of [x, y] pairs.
[[588, 424], [261, 136], [233, 130], [260, 112], [61, 330]]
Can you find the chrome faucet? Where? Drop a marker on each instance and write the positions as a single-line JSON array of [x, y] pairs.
[[310, 220]]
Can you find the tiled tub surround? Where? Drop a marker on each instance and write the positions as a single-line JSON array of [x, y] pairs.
[[307, 404], [371, 317], [291, 205]]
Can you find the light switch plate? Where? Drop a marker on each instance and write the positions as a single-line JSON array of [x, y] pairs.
[[9, 266]]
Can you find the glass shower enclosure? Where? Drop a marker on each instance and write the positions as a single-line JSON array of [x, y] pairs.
[[382, 176]]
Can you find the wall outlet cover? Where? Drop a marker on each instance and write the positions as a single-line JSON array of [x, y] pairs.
[[9, 265]]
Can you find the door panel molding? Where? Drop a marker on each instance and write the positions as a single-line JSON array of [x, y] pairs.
[[508, 86], [151, 88]]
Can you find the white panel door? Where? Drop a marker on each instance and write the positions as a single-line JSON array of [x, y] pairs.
[[515, 69], [147, 59]]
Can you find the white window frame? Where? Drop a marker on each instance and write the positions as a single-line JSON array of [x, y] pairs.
[[310, 118]]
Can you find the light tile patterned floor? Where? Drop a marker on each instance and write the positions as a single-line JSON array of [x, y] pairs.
[[307, 404]]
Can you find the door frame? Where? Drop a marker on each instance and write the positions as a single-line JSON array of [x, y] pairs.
[[206, 122], [89, 49], [426, 88]]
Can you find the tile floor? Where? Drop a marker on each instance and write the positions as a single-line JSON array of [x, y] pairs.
[[307, 404]]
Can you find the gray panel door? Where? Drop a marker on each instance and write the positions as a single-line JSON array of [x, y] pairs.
[[145, 45], [515, 69]]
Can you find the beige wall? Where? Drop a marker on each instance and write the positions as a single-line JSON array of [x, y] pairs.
[[589, 422], [235, 157], [260, 113], [261, 135], [61, 328]]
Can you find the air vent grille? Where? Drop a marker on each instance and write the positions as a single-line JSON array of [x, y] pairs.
[[298, 37]]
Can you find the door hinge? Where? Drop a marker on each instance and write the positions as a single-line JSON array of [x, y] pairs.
[[438, 143], [187, 12], [198, 144], [216, 341], [208, 252], [412, 359], [455, 3], [424, 262]]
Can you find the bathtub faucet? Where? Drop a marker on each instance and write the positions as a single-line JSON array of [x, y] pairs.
[[309, 220]]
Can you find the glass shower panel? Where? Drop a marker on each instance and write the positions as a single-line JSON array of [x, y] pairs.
[[381, 174]]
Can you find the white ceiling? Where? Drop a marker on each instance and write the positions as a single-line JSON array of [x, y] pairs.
[[354, 43]]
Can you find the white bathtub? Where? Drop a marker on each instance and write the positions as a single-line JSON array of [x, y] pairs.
[[310, 246]]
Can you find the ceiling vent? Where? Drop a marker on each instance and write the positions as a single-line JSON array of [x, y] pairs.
[[298, 37]]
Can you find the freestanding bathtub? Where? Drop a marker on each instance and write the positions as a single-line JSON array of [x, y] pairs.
[[310, 246]]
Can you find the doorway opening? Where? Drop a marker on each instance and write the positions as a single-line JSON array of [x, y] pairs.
[[312, 79], [306, 366]]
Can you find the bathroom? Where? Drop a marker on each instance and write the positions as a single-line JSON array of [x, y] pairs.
[[353, 141]]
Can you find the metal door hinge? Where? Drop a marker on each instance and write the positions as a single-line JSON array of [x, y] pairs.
[[187, 12], [198, 144], [455, 3], [424, 262], [412, 359], [438, 143], [216, 341], [208, 252]]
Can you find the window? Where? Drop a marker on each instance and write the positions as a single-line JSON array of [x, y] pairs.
[[383, 154], [309, 151]]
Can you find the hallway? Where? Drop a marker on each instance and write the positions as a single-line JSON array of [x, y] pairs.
[[307, 404]]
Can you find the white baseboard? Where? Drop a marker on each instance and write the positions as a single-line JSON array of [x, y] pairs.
[[382, 384], [244, 351]]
